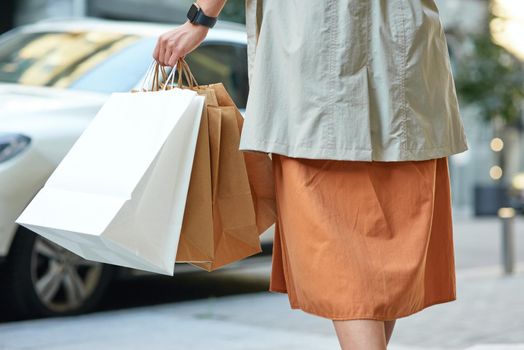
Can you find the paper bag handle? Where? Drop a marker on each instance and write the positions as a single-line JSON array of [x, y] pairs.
[[183, 72], [151, 77]]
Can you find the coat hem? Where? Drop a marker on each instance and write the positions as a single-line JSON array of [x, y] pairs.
[[351, 154]]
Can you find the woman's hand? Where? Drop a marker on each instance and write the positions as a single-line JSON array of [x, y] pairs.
[[178, 42]]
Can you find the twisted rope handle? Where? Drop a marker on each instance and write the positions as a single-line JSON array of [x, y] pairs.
[[183, 69], [183, 72], [151, 77]]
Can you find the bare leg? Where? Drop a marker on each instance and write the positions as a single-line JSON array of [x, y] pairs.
[[389, 325], [360, 334]]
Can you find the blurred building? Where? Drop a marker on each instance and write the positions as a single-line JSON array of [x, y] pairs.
[[470, 168], [157, 11], [464, 15], [478, 168]]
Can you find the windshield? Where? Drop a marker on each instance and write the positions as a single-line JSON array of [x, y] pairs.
[[58, 58], [112, 62]]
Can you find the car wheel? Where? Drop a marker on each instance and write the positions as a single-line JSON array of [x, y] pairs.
[[45, 279]]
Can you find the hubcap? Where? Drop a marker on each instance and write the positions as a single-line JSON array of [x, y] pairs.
[[62, 280]]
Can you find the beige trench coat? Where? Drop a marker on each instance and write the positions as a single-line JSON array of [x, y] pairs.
[[350, 80]]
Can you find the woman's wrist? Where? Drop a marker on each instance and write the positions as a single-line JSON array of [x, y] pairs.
[[211, 8], [196, 26]]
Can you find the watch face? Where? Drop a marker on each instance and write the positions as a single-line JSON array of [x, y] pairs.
[[191, 14]]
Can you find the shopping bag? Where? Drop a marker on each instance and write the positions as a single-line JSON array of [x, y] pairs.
[[119, 194], [196, 238], [225, 226]]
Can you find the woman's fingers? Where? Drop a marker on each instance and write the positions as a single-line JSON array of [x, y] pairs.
[[172, 60], [178, 42], [176, 50], [156, 52], [167, 54], [159, 50], [162, 45], [170, 51], [165, 50]]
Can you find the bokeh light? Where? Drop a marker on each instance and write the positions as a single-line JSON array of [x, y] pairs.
[[496, 144], [507, 28], [495, 172]]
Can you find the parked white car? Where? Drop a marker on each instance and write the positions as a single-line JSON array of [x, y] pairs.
[[54, 76]]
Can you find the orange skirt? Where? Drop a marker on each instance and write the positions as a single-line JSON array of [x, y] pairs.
[[362, 240]]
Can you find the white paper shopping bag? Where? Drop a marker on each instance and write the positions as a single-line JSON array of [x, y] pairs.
[[119, 195]]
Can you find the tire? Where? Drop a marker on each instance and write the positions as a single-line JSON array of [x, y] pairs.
[[46, 280]]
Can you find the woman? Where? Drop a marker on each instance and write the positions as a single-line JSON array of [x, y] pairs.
[[355, 102]]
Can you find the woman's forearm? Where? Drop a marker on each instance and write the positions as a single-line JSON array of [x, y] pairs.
[[211, 8]]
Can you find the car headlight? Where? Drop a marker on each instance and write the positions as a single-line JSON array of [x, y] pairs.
[[11, 145]]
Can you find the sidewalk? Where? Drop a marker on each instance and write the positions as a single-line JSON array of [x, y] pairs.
[[489, 310], [487, 315]]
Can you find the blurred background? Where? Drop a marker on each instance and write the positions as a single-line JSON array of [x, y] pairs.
[[486, 46], [59, 60]]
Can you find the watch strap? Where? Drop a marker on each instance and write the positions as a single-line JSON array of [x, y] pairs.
[[207, 21], [196, 15]]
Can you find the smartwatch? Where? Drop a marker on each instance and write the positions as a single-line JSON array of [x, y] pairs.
[[197, 16]]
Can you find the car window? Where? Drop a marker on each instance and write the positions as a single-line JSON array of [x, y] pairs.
[[209, 63], [112, 62], [121, 71], [56, 58], [222, 62]]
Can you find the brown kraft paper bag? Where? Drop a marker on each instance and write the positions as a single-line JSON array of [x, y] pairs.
[[231, 198]]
